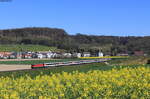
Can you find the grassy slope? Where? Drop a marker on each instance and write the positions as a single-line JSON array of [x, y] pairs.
[[11, 48], [130, 61]]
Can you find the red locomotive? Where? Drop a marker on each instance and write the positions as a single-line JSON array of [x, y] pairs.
[[37, 66]]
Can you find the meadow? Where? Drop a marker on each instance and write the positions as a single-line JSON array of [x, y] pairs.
[[17, 48]]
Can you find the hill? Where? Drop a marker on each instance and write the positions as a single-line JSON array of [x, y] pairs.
[[60, 39], [35, 48]]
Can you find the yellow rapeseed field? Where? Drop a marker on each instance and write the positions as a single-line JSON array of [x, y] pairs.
[[126, 83]]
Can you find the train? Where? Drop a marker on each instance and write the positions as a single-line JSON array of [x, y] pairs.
[[68, 63]]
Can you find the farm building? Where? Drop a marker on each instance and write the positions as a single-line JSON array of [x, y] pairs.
[[5, 54], [100, 54], [76, 55], [86, 54], [122, 54], [66, 55], [138, 53]]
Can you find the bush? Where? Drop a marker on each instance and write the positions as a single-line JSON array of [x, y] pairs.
[[148, 61]]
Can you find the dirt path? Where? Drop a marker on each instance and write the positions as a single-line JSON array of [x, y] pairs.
[[4, 67]]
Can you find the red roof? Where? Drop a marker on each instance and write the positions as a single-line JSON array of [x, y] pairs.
[[138, 53], [5, 53]]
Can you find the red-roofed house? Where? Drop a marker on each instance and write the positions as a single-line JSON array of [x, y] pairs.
[[138, 53]]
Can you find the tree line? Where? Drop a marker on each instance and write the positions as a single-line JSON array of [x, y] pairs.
[[75, 43]]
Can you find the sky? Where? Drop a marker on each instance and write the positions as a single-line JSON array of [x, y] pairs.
[[92, 17]]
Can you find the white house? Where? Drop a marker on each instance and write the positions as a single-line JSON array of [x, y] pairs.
[[100, 54], [54, 55], [68, 55], [40, 56], [50, 55], [77, 55], [86, 54]]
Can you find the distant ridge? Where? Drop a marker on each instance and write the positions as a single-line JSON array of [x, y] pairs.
[[59, 38]]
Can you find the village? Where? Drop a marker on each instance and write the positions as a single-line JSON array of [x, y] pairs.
[[59, 55], [45, 54]]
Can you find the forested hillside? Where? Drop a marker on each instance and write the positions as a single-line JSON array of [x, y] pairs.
[[79, 42]]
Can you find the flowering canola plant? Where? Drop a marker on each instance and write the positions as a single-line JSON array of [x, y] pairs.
[[133, 83]]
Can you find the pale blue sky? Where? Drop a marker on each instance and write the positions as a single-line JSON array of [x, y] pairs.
[[97, 17]]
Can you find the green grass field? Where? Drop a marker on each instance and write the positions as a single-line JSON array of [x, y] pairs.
[[130, 61], [10, 48]]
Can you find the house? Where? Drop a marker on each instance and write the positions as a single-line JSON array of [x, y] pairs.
[[34, 55], [39, 55], [27, 55], [86, 54], [138, 53], [54, 55], [44, 55], [76, 55], [100, 54], [12, 56], [122, 54], [5, 55], [66, 55], [49, 55]]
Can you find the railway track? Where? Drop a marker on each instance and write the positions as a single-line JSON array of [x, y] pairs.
[[57, 64], [68, 63]]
